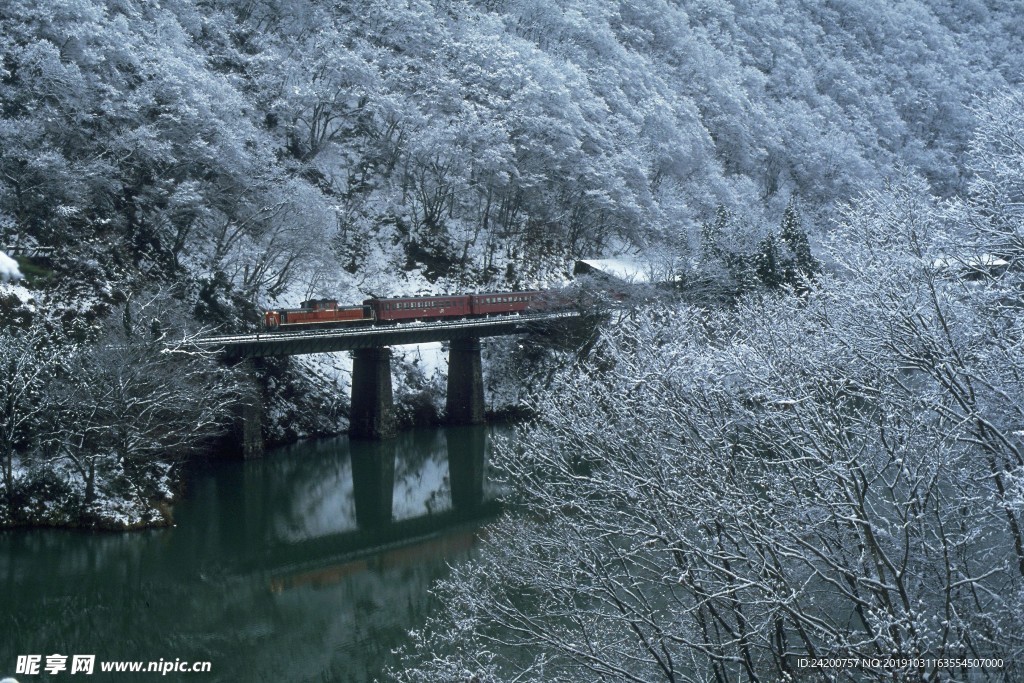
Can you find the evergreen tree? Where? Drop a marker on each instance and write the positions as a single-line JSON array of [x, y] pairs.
[[770, 268], [711, 236], [802, 266]]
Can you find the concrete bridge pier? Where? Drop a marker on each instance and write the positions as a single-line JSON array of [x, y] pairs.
[[373, 411], [465, 402], [373, 481], [247, 430]]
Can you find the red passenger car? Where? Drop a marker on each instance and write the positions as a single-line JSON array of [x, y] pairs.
[[497, 303], [419, 307]]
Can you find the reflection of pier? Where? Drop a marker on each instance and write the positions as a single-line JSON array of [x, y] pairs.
[[383, 495], [373, 475]]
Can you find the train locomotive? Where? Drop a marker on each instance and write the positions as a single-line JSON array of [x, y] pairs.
[[323, 313]]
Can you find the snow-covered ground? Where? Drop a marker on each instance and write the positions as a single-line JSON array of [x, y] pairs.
[[22, 293], [51, 493]]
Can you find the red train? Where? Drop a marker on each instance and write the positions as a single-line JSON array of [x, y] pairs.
[[327, 312]]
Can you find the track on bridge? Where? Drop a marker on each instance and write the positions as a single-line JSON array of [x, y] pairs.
[[263, 344]]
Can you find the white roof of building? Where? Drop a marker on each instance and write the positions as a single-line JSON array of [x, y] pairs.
[[627, 271], [980, 261]]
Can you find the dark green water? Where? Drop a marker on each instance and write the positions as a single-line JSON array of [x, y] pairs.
[[276, 570]]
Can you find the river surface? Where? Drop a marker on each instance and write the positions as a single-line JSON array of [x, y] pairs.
[[309, 565]]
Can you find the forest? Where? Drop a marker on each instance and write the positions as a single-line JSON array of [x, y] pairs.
[[813, 449]]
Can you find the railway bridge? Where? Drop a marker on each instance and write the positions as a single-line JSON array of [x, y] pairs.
[[372, 413]]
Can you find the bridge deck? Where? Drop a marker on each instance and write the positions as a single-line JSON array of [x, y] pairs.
[[351, 338]]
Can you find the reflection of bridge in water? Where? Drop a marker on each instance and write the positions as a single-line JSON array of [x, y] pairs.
[[372, 415], [379, 500], [274, 571]]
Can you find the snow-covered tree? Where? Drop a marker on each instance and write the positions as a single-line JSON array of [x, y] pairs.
[[29, 357], [716, 495]]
